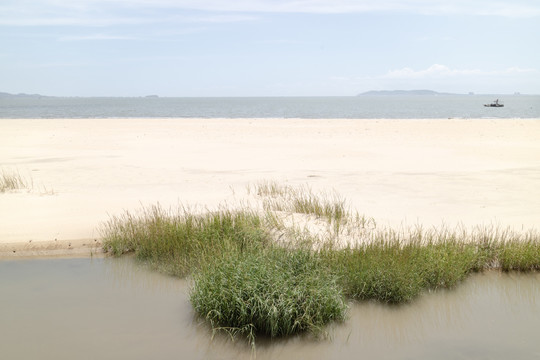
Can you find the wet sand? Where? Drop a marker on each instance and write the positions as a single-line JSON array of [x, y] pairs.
[[429, 172]]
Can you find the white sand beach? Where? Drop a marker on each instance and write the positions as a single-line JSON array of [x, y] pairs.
[[428, 172]]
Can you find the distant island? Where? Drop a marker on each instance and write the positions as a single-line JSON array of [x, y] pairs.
[[403, 92], [23, 95], [3, 94]]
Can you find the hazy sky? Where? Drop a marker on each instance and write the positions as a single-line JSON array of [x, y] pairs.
[[268, 47]]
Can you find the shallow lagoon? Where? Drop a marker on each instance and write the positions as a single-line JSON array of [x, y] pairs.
[[116, 309]]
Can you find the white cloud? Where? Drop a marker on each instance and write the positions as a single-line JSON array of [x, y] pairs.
[[73, 21], [95, 21], [518, 70], [119, 12], [511, 8], [213, 18], [442, 71], [103, 13], [96, 37]]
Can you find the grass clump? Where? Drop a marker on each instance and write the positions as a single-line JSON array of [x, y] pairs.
[[332, 209], [12, 181], [519, 255], [276, 292], [256, 273], [270, 189], [301, 200], [394, 274], [396, 268], [374, 273], [178, 243]]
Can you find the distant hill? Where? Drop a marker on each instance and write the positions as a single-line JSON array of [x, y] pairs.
[[403, 92], [3, 94]]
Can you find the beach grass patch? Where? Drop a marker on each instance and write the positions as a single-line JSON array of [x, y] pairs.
[[394, 275], [256, 272], [276, 292], [12, 181], [519, 255], [372, 274], [395, 267], [180, 242]]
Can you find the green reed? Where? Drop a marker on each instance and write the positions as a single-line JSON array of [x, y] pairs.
[[247, 281], [180, 242], [275, 292]]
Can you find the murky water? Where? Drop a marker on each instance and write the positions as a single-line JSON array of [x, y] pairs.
[[114, 309]]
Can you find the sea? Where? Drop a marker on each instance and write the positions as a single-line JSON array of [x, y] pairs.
[[352, 107]]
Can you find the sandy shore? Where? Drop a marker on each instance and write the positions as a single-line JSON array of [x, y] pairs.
[[429, 172]]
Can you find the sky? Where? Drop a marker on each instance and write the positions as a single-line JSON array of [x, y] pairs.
[[268, 47]]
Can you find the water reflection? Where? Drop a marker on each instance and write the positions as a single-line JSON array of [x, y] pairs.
[[116, 309], [126, 272], [488, 313]]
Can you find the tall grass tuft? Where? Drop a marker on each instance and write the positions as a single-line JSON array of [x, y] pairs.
[[178, 243], [12, 181], [302, 200], [520, 255], [396, 267], [374, 273], [256, 273], [331, 208], [276, 292], [269, 189]]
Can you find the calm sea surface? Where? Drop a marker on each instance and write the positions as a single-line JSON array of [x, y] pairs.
[[354, 107]]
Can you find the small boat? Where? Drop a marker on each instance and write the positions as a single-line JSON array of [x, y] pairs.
[[496, 103]]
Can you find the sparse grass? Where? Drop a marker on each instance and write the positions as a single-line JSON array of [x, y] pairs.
[[302, 200], [247, 280], [269, 189], [330, 207], [12, 181]]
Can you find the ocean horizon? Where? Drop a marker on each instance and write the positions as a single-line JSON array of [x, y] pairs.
[[439, 106]]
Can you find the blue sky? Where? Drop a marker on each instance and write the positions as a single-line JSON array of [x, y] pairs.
[[268, 47]]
